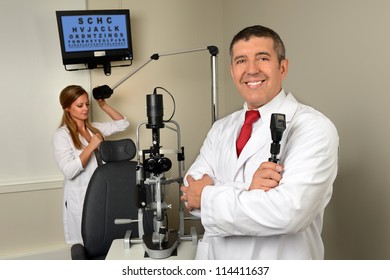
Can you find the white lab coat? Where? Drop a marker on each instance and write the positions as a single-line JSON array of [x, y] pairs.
[[285, 222], [76, 178]]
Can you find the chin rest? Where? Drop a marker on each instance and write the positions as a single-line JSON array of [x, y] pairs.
[[112, 194]]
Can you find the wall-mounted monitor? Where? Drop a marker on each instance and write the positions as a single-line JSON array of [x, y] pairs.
[[95, 38]]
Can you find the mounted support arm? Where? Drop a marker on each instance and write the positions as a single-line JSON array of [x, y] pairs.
[[103, 92]]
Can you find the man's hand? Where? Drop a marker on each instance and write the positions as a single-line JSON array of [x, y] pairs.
[[267, 176], [193, 193]]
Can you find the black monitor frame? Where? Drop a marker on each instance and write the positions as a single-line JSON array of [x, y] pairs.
[[95, 58]]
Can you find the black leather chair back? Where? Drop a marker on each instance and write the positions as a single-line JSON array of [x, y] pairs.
[[111, 194]]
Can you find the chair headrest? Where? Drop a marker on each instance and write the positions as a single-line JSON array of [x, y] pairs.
[[117, 150]]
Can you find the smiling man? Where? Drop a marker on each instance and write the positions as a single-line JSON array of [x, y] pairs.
[[251, 208], [257, 70]]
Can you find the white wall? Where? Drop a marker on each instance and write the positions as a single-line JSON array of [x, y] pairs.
[[31, 76], [338, 52], [31, 213], [338, 64]]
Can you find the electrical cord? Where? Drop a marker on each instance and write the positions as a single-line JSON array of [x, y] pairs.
[[173, 100]]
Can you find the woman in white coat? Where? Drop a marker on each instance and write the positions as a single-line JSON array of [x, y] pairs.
[[74, 144], [251, 208]]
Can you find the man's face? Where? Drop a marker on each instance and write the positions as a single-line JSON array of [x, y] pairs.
[[256, 71]]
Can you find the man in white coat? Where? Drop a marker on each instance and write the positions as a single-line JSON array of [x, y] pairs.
[[251, 208]]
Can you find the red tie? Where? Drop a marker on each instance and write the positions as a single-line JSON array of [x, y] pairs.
[[246, 130]]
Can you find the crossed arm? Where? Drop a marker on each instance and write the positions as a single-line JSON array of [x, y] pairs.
[[266, 177]]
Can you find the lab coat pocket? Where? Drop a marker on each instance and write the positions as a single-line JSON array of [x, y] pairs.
[[202, 250]]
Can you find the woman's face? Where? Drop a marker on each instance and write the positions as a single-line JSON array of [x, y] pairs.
[[79, 109]]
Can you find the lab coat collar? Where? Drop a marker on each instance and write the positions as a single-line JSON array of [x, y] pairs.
[[282, 103]]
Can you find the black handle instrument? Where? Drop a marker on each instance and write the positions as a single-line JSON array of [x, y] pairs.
[[277, 126]]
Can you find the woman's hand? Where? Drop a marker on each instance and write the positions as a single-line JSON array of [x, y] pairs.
[[101, 102], [95, 141]]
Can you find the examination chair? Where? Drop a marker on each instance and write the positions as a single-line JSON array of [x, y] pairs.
[[112, 194]]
